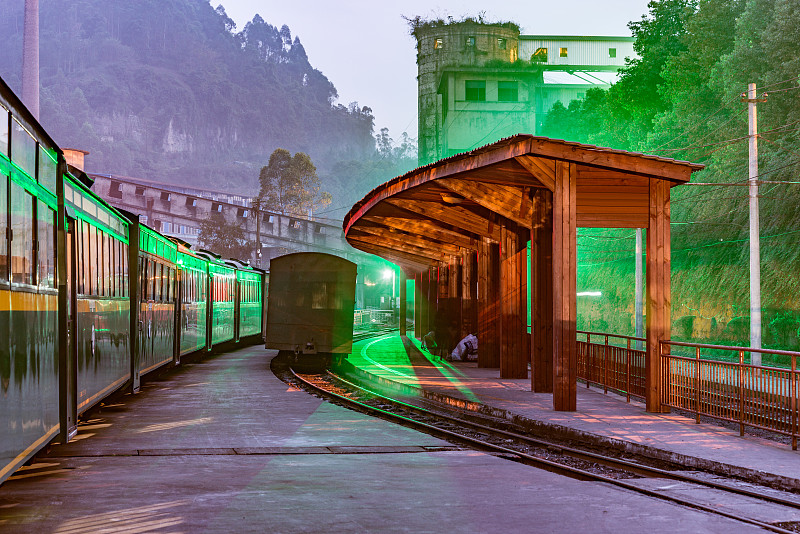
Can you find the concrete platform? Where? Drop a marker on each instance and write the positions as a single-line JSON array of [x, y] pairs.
[[223, 446], [603, 418]]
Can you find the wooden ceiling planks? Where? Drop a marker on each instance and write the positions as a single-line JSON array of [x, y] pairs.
[[439, 210]]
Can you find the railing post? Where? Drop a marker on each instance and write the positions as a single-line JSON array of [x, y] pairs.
[[628, 373], [741, 393], [793, 385], [589, 354], [605, 367], [697, 384]]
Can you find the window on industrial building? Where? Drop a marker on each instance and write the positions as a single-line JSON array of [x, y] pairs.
[[470, 42], [166, 196], [139, 191], [115, 190], [475, 91], [438, 43], [507, 91], [216, 206], [562, 52], [191, 202], [502, 43], [166, 226], [241, 212], [612, 52], [540, 56]]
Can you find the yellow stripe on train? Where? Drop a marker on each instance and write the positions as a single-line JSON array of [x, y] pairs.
[[25, 301]]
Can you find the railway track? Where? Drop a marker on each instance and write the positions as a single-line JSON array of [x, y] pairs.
[[725, 497]]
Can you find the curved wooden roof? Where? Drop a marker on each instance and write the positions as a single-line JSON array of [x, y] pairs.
[[443, 209]]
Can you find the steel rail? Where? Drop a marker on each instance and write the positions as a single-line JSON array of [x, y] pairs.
[[541, 463]]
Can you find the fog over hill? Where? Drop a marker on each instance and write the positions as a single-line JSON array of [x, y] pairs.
[[171, 90]]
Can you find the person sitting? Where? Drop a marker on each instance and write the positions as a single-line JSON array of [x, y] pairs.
[[429, 342]]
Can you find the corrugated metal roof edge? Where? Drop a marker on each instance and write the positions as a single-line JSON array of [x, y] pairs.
[[502, 142]]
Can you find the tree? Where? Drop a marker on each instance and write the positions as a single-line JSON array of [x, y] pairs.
[[224, 238], [290, 185]]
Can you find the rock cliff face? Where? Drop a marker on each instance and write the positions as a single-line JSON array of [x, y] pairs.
[[169, 89]]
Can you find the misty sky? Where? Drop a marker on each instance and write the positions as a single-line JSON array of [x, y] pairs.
[[364, 48]]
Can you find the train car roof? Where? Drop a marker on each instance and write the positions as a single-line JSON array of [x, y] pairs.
[[20, 110], [79, 209]]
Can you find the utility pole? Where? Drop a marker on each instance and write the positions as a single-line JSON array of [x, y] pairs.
[[755, 246]]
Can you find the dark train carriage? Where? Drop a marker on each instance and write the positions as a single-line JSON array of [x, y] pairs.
[[310, 305], [98, 299], [192, 301], [30, 165], [154, 300]]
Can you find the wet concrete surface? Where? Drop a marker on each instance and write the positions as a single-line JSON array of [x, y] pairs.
[[224, 446]]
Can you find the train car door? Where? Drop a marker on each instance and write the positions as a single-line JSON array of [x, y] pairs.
[[68, 366]]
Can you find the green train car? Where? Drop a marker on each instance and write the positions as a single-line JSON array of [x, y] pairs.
[[91, 299]]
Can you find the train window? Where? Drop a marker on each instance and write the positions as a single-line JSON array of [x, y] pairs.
[[125, 270], [102, 260], [93, 252], [47, 170], [83, 257], [157, 282], [144, 286], [23, 149], [113, 253], [3, 220], [4, 131], [123, 260], [22, 259], [47, 247]]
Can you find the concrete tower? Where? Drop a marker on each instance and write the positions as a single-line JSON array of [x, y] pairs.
[[30, 57], [464, 44]]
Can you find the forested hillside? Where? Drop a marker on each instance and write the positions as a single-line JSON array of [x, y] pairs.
[[682, 99], [172, 90]]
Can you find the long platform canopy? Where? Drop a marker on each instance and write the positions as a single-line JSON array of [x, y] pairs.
[[444, 209]]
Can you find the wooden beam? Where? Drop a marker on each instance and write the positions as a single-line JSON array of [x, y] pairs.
[[386, 235], [453, 216], [542, 169], [426, 228], [542, 293], [565, 361], [488, 304], [469, 320], [513, 203], [658, 291], [514, 339], [391, 245]]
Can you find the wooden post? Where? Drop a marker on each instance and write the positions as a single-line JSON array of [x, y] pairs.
[[542, 292], [565, 359], [488, 304], [417, 303], [403, 303], [514, 349], [469, 321], [659, 325]]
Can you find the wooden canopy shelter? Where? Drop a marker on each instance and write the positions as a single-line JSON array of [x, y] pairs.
[[460, 226]]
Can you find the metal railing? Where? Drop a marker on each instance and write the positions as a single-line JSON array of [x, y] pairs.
[[750, 395], [736, 391], [367, 319], [613, 363]]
